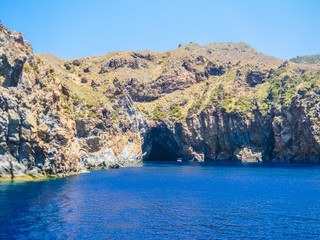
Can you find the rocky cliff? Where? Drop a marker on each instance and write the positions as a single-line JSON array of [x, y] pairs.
[[219, 102], [45, 130]]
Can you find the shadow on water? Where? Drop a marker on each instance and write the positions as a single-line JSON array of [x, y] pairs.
[[235, 164]]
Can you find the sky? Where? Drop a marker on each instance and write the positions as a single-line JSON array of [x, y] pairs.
[[80, 28]]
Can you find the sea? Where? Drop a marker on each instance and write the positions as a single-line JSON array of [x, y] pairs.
[[167, 200]]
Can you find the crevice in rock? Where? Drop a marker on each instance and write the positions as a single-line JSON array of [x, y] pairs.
[[11, 170], [11, 74]]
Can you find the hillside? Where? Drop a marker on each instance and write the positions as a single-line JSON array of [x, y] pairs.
[[311, 59], [219, 102]]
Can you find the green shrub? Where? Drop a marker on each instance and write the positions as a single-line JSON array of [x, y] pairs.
[[65, 106], [226, 104], [63, 97], [264, 109], [92, 114], [195, 107], [47, 89], [53, 77], [114, 116], [145, 111], [67, 111], [36, 68], [175, 112], [215, 93], [158, 113], [39, 61], [75, 97], [242, 105], [89, 103], [313, 119], [27, 67]]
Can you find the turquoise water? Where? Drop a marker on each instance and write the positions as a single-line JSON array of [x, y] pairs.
[[168, 201]]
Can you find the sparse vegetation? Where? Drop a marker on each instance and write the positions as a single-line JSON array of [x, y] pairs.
[[158, 113], [175, 112], [92, 114], [63, 97], [227, 91], [226, 104], [114, 116], [53, 77], [142, 109], [314, 119], [39, 61], [312, 59], [48, 70], [27, 67], [66, 106], [36, 68], [195, 107], [215, 93], [86, 94], [47, 89], [67, 111]]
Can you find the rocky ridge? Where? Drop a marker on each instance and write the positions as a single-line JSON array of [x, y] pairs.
[[219, 102]]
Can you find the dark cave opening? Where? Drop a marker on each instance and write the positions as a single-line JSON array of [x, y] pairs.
[[160, 145], [160, 153]]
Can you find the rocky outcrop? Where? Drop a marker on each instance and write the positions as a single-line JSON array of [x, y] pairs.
[[256, 77]]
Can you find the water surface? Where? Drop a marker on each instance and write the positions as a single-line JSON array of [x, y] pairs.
[[168, 201]]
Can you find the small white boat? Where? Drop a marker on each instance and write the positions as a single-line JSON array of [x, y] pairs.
[[179, 160]]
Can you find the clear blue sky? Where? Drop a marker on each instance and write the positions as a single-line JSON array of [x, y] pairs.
[[78, 28]]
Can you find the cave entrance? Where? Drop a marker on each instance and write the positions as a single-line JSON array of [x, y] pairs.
[[160, 153], [160, 145]]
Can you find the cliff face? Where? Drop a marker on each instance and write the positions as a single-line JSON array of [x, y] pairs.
[[220, 102], [38, 135], [215, 135]]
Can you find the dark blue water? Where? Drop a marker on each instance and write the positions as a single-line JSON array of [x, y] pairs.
[[168, 201]]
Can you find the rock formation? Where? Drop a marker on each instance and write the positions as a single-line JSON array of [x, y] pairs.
[[219, 102]]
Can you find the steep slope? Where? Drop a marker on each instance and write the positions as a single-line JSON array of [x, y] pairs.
[[219, 102]]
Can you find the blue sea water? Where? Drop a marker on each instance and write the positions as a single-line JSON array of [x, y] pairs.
[[167, 201]]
